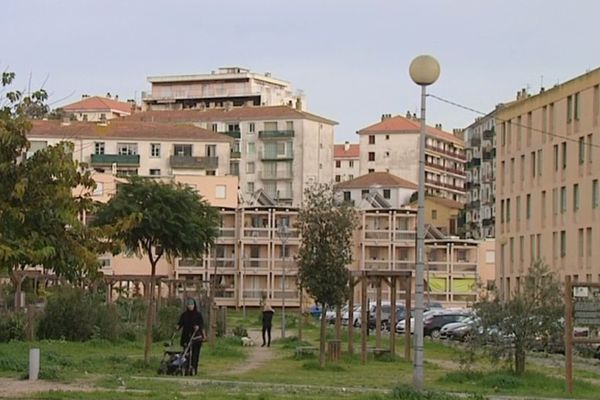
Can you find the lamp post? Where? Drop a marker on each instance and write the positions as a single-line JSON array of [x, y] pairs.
[[424, 70], [283, 233]]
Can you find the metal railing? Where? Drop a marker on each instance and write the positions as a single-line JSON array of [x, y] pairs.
[[192, 162]]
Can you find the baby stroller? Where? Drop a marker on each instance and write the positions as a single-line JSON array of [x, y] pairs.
[[176, 362]]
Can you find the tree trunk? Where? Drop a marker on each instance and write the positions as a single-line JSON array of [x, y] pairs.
[[323, 337], [519, 360], [150, 315]]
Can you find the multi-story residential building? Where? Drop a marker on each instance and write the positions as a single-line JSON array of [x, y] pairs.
[[346, 160], [96, 108], [280, 150], [548, 194], [126, 147], [480, 186], [225, 87], [376, 190], [392, 145], [443, 214]]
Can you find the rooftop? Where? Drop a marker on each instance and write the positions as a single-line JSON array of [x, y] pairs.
[[377, 179], [400, 124], [123, 129], [443, 202], [97, 103], [219, 74], [353, 151]]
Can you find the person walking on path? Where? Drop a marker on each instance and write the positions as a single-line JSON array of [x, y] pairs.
[[267, 320], [192, 328]]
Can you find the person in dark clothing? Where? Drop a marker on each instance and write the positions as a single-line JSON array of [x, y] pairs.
[[192, 326], [267, 319]]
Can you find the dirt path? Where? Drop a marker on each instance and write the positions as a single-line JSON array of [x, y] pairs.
[[258, 356], [13, 388]]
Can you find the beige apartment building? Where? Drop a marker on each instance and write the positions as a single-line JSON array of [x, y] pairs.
[[392, 145], [376, 190], [346, 160], [225, 87], [279, 150], [98, 108], [548, 197]]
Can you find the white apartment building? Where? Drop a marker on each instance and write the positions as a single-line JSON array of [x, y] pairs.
[[392, 145], [139, 148], [376, 190], [97, 108], [280, 150], [346, 160], [228, 86]]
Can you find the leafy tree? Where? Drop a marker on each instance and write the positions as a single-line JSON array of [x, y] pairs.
[[39, 216], [326, 228], [514, 325], [156, 218]]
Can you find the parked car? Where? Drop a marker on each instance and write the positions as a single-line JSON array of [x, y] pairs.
[[461, 330], [330, 314], [385, 316], [401, 325], [355, 317], [433, 324]]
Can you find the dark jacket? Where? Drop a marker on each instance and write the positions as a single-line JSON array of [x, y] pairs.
[[187, 321], [267, 318]]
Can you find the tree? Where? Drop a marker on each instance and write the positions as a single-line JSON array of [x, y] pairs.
[[533, 313], [156, 218], [326, 228], [39, 216]]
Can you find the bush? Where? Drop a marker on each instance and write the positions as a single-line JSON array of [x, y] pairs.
[[240, 331], [405, 392], [73, 314], [168, 316], [12, 326]]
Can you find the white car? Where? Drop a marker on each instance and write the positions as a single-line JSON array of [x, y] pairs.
[[330, 314], [355, 319]]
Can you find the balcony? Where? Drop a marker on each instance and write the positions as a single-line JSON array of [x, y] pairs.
[[257, 233], [223, 263], [489, 154], [191, 162], [405, 236], [475, 141], [489, 134], [488, 222], [257, 263], [274, 156], [289, 294], [275, 134], [378, 265], [232, 134], [276, 175], [443, 168], [226, 233], [474, 204], [377, 234], [235, 154], [405, 265], [444, 185], [170, 93], [450, 153], [122, 160]]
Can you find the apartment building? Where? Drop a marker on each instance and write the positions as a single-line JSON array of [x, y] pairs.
[[346, 160], [480, 186], [97, 108], [441, 214], [228, 86], [280, 150], [124, 147], [392, 145], [548, 194], [376, 190]]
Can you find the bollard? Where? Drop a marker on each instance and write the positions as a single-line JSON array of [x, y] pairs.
[[34, 364]]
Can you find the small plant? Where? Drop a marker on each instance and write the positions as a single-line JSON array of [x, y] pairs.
[[240, 331], [12, 326]]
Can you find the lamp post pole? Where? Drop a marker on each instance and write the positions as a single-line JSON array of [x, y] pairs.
[[424, 70]]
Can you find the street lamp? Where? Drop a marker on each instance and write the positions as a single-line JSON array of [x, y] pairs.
[[424, 70], [283, 233]]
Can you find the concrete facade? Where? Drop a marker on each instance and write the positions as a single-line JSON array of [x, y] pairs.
[[548, 190], [346, 162], [376, 190]]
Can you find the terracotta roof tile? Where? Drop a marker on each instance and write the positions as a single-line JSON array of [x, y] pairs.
[[378, 179], [339, 151], [121, 129], [443, 202], [233, 114], [98, 103], [400, 124]]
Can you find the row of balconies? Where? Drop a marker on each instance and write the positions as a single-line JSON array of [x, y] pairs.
[[133, 160], [443, 168], [451, 153]]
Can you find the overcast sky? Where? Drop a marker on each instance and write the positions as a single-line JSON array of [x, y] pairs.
[[349, 57]]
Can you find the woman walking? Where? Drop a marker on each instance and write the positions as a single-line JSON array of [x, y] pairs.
[[267, 319], [192, 328]]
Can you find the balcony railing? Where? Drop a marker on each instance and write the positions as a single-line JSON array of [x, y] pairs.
[[207, 92], [235, 154], [276, 175], [489, 134], [275, 134], [233, 134], [405, 265], [378, 264], [257, 263], [226, 232], [436, 266], [445, 185], [274, 156], [405, 235], [465, 268], [289, 294], [488, 222], [447, 152], [223, 263], [377, 234], [122, 160], [260, 233], [192, 162], [225, 293], [443, 168], [254, 293]]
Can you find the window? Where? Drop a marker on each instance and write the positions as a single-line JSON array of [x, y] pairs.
[[533, 164], [155, 150], [580, 242], [521, 248], [338, 178], [128, 149], [338, 164], [85, 117], [251, 127], [347, 196], [556, 157], [371, 156], [576, 197], [214, 127], [512, 170], [501, 211], [595, 194], [590, 147], [528, 206], [581, 150], [99, 148], [387, 194], [564, 155], [539, 247], [433, 214], [539, 161], [251, 148], [507, 210], [364, 193], [387, 137], [555, 244], [551, 120], [503, 134], [371, 139], [518, 212], [351, 163], [563, 199], [102, 117], [563, 243], [576, 107], [154, 172], [210, 150], [529, 128], [512, 250], [220, 191], [588, 232], [211, 172], [289, 125], [182, 150], [250, 187], [522, 167], [250, 168], [543, 208], [569, 109], [387, 154], [371, 170], [554, 201]]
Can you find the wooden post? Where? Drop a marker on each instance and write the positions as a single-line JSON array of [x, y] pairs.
[[378, 316], [338, 323], [569, 333], [351, 318], [300, 315], [392, 317], [407, 314], [364, 320]]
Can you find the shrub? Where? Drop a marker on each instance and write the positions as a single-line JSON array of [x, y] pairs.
[[73, 314], [405, 392], [12, 326], [240, 331], [167, 319]]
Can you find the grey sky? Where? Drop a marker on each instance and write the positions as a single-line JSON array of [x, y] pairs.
[[350, 57]]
